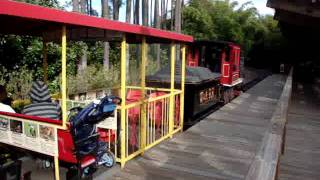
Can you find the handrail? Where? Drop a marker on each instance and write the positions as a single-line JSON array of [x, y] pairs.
[[266, 162], [31, 118]]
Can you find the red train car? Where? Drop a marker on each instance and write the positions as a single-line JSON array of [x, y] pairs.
[[222, 58]]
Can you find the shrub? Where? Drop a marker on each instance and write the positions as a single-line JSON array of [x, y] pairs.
[[18, 82]]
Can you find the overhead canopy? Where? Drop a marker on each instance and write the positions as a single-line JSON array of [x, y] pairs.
[[26, 19], [213, 43]]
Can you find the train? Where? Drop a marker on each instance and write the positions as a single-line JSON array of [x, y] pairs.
[[212, 77]]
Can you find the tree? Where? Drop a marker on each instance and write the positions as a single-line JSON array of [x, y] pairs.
[[81, 7], [106, 52], [128, 11], [137, 12], [75, 5], [157, 24], [145, 13], [116, 6], [128, 20]]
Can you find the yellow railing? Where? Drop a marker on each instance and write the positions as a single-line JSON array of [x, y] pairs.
[[146, 122]]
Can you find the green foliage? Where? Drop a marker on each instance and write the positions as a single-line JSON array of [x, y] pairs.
[[47, 3], [17, 83], [228, 21], [93, 78]]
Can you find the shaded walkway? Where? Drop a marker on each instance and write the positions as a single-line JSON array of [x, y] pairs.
[[302, 154], [222, 146]]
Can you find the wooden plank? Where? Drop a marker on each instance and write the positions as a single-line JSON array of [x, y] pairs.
[[222, 146], [266, 161]]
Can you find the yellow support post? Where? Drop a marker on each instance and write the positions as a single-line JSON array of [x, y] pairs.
[[56, 168], [64, 77], [183, 77], [143, 87], [123, 73], [171, 106], [45, 61]]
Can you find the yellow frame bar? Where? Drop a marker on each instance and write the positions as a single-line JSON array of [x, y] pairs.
[[171, 110], [183, 76], [56, 168], [63, 92], [149, 88], [64, 77], [123, 73], [143, 132]]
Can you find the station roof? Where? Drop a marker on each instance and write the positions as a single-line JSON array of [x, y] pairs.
[[213, 43], [26, 19]]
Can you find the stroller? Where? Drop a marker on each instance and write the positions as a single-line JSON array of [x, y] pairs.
[[90, 151]]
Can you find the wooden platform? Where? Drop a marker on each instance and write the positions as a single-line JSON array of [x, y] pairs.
[[222, 146], [301, 160]]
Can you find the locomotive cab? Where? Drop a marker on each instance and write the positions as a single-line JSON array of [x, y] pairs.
[[220, 57]]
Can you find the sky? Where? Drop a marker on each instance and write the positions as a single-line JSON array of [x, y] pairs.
[[259, 4]]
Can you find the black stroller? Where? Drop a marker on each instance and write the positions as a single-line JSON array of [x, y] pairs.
[[86, 138]]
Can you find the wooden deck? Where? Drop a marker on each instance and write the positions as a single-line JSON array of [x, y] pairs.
[[301, 160], [222, 146]]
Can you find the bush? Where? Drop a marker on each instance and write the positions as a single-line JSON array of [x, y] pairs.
[[93, 78], [18, 82]]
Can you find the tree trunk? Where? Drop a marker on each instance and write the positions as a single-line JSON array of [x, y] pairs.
[[137, 12], [106, 51], [157, 25], [83, 6], [177, 21], [116, 7], [75, 5], [163, 12], [177, 25], [172, 15], [128, 20], [145, 12], [128, 11]]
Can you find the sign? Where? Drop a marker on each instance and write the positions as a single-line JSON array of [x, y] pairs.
[[109, 123], [206, 96], [29, 135]]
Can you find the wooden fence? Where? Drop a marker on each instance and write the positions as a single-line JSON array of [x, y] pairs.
[[266, 162]]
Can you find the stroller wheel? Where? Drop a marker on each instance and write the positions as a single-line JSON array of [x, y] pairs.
[[107, 159]]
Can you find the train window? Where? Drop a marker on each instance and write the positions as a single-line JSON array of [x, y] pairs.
[[228, 53]]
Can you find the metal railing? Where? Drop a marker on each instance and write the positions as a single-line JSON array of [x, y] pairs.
[[148, 121]]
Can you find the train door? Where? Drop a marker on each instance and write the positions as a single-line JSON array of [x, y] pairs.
[[225, 67], [235, 58], [193, 56], [230, 65]]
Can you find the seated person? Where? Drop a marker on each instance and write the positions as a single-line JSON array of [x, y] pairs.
[[41, 104], [5, 102]]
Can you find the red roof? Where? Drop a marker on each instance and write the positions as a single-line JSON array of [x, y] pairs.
[[27, 19]]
